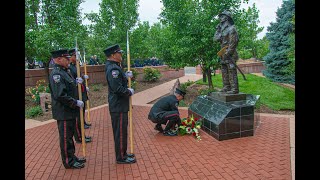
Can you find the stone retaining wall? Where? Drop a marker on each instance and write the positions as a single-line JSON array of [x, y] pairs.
[[246, 68]]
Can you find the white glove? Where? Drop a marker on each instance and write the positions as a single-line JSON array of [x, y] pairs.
[[85, 76], [87, 88], [79, 80], [129, 74], [80, 103], [131, 90]]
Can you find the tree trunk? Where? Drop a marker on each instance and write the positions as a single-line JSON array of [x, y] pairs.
[[47, 72], [35, 13], [204, 76], [209, 78]]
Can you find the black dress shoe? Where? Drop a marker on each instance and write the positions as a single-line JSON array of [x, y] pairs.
[[130, 155], [158, 127], [88, 137], [86, 141], [86, 127], [81, 160], [127, 161], [169, 133], [76, 165], [87, 124]]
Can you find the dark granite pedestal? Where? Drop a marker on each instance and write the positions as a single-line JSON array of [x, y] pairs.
[[226, 116]]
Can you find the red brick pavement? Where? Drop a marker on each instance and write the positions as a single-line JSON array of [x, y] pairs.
[[266, 155]]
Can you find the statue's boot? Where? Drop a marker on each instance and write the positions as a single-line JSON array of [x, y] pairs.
[[232, 91], [225, 89]]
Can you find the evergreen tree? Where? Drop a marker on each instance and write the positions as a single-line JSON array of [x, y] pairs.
[[291, 55], [277, 61]]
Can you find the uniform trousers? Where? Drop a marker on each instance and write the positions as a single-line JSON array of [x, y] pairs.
[[171, 118], [77, 134], [66, 131], [120, 133]]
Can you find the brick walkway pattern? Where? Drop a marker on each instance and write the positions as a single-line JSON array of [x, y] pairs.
[[266, 155]]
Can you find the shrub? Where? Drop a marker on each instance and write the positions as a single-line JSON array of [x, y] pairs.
[[151, 74], [96, 87], [183, 86], [134, 84], [133, 79], [182, 104], [33, 112], [41, 87]]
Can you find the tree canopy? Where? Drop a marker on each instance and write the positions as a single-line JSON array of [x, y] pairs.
[[183, 37]]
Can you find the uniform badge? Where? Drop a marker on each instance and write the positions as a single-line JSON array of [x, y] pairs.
[[115, 73], [177, 104], [56, 78]]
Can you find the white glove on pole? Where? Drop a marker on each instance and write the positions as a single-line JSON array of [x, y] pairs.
[[79, 80], [85, 76], [131, 90], [129, 74], [80, 103], [87, 89]]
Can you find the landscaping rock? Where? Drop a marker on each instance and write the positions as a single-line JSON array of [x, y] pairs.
[[45, 101]]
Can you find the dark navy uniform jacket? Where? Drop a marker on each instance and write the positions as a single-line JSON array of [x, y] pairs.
[[64, 94], [165, 104], [118, 92]]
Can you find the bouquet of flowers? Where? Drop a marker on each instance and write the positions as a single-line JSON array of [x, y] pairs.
[[190, 125]]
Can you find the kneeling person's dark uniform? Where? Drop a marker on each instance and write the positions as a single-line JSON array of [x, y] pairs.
[[165, 111]]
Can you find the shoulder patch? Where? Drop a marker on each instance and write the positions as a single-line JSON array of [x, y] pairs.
[[115, 73], [56, 78]]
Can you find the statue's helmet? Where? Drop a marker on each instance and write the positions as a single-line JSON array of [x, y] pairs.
[[227, 13]]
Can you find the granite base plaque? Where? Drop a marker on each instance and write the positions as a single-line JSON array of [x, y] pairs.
[[226, 116]]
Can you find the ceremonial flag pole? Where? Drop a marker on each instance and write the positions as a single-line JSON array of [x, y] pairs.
[[85, 72], [80, 98], [130, 98]]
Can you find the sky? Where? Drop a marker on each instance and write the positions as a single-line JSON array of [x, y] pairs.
[[149, 10]]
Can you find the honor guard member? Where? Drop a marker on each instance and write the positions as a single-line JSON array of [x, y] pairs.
[[65, 106], [84, 90], [118, 99], [165, 111]]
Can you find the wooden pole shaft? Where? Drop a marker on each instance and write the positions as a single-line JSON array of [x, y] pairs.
[[130, 98], [81, 109], [85, 72]]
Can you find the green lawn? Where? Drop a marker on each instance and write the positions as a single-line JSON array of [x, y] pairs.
[[271, 94]]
